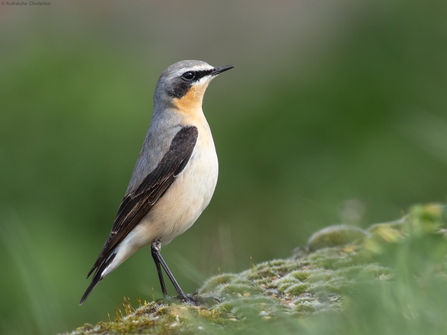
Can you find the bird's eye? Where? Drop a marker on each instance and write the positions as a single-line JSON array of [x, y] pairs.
[[188, 75]]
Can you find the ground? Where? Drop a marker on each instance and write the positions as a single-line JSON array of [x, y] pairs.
[[390, 278]]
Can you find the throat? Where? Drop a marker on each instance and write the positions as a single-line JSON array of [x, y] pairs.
[[190, 103]]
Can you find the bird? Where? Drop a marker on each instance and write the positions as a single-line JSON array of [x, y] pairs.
[[174, 177]]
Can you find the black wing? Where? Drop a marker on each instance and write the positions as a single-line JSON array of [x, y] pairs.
[[138, 203]]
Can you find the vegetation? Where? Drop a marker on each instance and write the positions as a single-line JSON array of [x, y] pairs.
[[389, 279]]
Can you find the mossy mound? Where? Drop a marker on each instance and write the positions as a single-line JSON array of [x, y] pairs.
[[339, 269]]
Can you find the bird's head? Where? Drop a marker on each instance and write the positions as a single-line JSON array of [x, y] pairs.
[[184, 83]]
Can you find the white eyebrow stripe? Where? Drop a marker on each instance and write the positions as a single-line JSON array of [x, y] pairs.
[[195, 68]]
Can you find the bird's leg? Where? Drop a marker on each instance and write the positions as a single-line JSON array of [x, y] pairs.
[[155, 250], [156, 246], [160, 263], [158, 259]]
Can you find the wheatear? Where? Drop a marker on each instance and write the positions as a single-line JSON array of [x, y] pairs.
[[174, 177]]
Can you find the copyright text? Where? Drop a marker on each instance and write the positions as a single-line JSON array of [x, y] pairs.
[[25, 3]]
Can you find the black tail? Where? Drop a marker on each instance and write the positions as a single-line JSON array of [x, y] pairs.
[[97, 277]]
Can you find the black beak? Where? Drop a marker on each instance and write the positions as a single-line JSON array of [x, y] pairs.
[[221, 69]]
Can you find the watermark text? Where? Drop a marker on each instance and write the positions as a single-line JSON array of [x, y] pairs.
[[25, 3]]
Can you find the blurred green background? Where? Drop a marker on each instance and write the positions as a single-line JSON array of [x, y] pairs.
[[335, 112]]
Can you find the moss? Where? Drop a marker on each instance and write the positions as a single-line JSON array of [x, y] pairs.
[[304, 309], [336, 236], [319, 279], [321, 289], [212, 283], [297, 289], [320, 276], [284, 283], [239, 289], [301, 275]]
